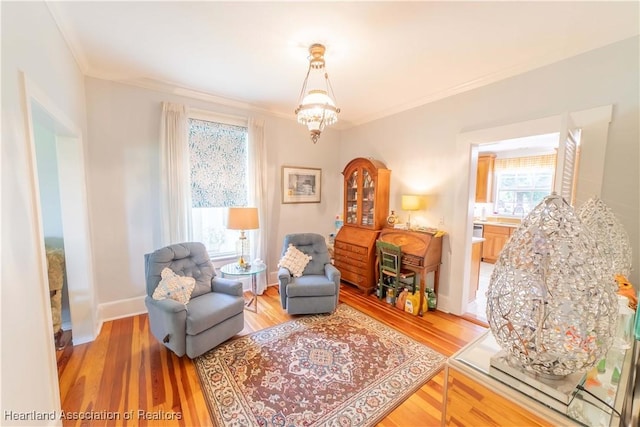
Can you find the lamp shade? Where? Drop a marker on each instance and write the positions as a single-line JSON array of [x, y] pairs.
[[243, 219], [317, 110], [410, 202]]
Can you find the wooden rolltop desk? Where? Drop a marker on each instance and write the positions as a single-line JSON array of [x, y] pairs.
[[366, 206], [421, 252]]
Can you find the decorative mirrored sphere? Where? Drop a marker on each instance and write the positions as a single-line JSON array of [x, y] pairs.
[[551, 303], [609, 233]]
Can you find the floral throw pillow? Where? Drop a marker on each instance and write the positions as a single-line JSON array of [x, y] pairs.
[[294, 260], [174, 287]]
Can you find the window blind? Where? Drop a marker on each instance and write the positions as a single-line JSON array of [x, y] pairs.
[[542, 161], [218, 155]]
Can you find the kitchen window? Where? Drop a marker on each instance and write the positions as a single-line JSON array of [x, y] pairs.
[[522, 183]]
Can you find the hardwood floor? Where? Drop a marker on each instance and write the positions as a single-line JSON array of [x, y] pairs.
[[127, 373]]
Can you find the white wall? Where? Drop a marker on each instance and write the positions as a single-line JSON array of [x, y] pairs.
[[124, 176], [420, 145], [30, 43]]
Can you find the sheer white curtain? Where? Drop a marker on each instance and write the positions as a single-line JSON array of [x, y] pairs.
[[258, 190], [175, 173]]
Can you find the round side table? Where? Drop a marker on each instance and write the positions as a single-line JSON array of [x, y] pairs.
[[233, 270]]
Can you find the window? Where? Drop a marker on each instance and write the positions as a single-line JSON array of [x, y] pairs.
[[522, 183], [218, 159]]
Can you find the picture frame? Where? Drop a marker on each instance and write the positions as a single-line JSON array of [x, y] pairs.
[[301, 184]]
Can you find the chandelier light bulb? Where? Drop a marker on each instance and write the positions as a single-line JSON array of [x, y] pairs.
[[317, 108]]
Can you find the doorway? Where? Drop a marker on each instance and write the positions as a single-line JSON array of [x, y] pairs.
[[49, 192], [594, 124], [62, 140], [519, 174]]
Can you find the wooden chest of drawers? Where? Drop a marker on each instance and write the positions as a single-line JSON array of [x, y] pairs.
[[355, 256]]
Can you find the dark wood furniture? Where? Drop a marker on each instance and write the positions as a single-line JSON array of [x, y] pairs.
[[421, 252], [366, 206]]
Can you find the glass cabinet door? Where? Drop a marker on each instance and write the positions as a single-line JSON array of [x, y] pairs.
[[366, 193], [368, 202], [352, 198]]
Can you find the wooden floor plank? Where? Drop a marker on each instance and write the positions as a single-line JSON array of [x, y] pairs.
[[126, 370]]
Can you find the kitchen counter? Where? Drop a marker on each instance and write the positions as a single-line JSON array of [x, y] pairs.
[[498, 223]]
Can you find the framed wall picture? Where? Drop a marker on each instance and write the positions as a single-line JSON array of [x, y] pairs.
[[301, 185]]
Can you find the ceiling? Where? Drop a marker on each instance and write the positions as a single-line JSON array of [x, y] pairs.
[[382, 57]]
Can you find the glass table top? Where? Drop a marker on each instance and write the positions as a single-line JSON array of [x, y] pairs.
[[233, 269], [598, 389]]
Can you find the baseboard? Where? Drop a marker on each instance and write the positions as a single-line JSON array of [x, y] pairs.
[[444, 304], [121, 308], [272, 279], [83, 339], [129, 307]]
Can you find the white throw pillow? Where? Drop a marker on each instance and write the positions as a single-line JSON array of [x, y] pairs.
[[294, 260], [175, 287]]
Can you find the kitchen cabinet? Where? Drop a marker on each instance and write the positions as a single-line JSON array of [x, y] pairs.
[[484, 178], [474, 280], [366, 207], [495, 237]]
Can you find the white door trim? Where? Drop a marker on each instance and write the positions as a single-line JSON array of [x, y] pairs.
[[594, 124], [80, 278]]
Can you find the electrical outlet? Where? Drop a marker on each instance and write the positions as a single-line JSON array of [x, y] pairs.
[[441, 222]]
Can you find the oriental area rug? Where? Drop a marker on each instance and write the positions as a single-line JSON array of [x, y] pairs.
[[339, 369]]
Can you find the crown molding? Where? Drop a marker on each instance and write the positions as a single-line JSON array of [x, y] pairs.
[[174, 89], [69, 36], [549, 58]]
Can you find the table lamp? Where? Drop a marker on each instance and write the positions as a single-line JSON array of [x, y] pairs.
[[410, 203], [243, 219]]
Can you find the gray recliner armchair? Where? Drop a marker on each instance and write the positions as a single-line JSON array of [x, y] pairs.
[[318, 289], [214, 313]]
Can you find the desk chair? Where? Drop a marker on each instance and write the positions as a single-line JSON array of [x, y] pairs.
[[391, 275]]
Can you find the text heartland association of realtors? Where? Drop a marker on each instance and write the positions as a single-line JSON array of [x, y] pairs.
[[91, 415]]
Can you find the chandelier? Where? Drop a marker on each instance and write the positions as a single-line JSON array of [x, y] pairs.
[[317, 107]]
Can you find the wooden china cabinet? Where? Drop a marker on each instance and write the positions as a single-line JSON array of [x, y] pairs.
[[366, 206]]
